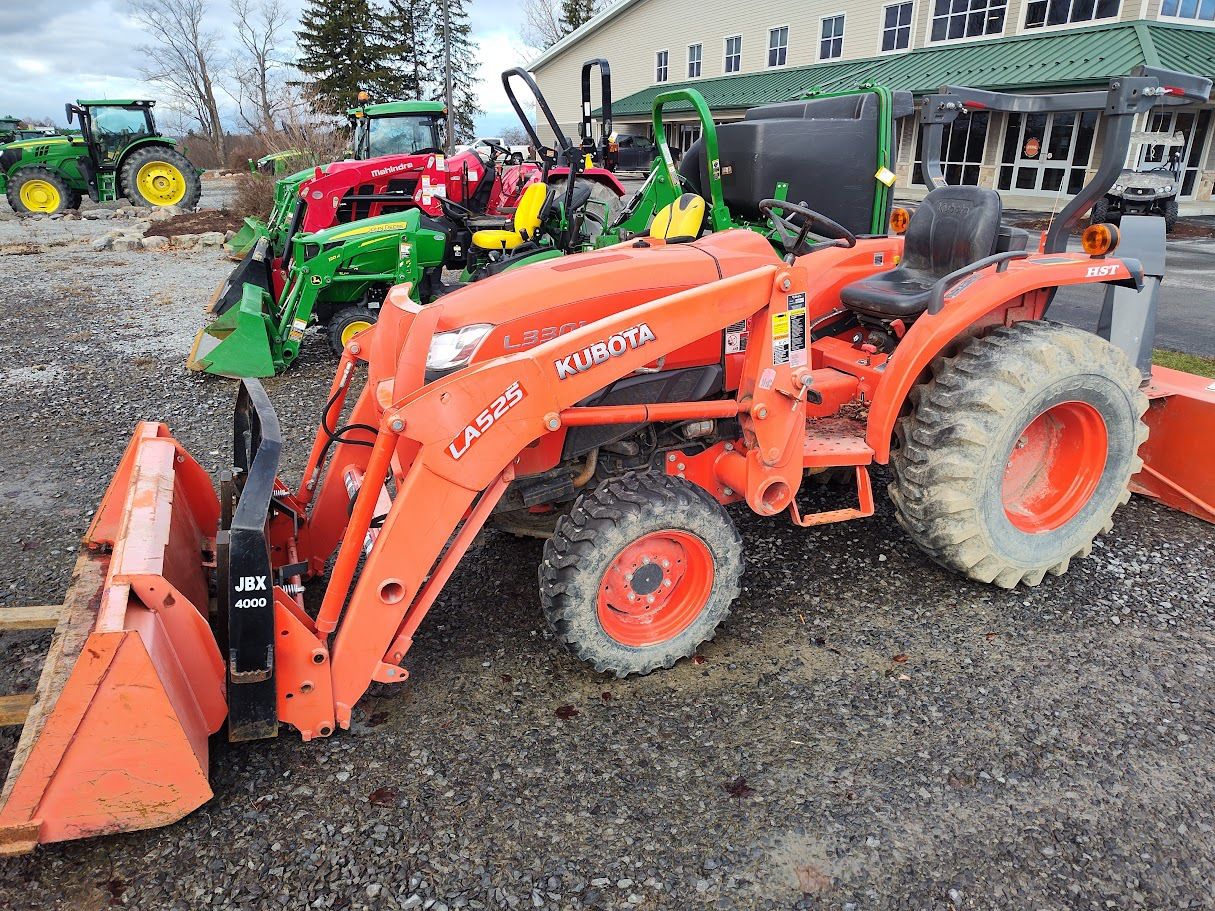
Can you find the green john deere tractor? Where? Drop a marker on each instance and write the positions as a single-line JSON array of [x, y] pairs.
[[337, 278], [118, 152]]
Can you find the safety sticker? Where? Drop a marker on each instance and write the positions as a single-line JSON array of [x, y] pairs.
[[736, 337], [297, 329], [879, 259], [789, 333], [886, 176]]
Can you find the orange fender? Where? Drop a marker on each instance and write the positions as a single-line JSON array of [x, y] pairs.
[[987, 298]]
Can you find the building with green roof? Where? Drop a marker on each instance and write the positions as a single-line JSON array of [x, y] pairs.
[[743, 55]]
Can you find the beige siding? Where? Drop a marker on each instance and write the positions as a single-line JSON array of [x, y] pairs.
[[631, 41]]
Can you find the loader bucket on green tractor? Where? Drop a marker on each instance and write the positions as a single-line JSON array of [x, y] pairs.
[[134, 683], [242, 341], [242, 242], [254, 269]]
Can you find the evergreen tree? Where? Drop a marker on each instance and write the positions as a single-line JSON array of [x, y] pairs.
[[414, 45], [463, 68], [343, 54], [574, 13]]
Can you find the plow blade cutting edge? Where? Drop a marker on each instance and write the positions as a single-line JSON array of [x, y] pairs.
[[133, 685], [243, 241], [1176, 457]]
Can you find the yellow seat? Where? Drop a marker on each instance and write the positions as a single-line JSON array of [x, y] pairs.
[[680, 221], [528, 216]]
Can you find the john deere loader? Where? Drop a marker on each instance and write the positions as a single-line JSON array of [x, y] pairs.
[[117, 153]]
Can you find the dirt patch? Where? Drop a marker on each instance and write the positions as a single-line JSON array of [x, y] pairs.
[[195, 223]]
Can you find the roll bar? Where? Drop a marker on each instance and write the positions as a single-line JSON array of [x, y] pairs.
[[1126, 97], [564, 146], [719, 214], [585, 130]]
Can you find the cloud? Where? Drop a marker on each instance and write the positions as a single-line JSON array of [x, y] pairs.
[[90, 48]]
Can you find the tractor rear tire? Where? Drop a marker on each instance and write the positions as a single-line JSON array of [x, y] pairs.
[[603, 204], [39, 191], [346, 323], [160, 176], [1018, 451], [1170, 215], [640, 573]]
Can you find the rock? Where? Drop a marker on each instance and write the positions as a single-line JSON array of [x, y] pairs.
[[185, 241], [155, 243], [211, 239], [228, 235], [105, 242], [159, 215], [172, 210], [95, 214]]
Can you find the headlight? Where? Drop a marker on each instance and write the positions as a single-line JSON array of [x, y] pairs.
[[1117, 188], [1168, 189], [451, 350]]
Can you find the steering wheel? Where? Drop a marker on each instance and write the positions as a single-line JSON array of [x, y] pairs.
[[453, 210], [497, 149], [792, 235]]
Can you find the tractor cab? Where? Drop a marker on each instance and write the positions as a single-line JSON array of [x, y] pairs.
[[396, 128], [111, 127]]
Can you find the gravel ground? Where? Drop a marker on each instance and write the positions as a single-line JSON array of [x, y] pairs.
[[866, 731]]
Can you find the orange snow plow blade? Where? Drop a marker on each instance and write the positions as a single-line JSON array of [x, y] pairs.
[[116, 737], [1177, 455]]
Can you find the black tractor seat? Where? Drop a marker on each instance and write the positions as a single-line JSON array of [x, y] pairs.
[[951, 228]]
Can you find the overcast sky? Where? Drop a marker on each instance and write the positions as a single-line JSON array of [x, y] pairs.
[[60, 50]]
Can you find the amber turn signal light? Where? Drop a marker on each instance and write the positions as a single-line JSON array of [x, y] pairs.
[[1097, 240], [899, 220]]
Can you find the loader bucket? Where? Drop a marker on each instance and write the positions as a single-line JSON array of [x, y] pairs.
[[1177, 461], [242, 342], [116, 738], [243, 241], [254, 269]]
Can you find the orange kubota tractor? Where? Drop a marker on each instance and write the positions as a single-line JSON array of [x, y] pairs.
[[632, 391]]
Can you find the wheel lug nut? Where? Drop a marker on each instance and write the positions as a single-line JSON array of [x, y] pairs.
[[666, 564], [650, 599], [632, 597], [666, 582]]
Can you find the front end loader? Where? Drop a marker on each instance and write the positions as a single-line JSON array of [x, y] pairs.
[[633, 392]]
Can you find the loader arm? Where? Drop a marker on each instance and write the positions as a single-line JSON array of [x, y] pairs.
[[457, 440]]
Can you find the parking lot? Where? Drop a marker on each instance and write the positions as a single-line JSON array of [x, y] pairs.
[[866, 731]]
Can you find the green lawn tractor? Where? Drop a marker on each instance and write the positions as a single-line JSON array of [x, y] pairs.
[[276, 164], [339, 276], [118, 152]]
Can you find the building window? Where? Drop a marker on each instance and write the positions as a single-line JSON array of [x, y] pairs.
[[832, 43], [967, 18], [1201, 10], [733, 54], [962, 145], [778, 46], [1060, 12], [1185, 160], [694, 55], [661, 70], [896, 27], [1047, 153]]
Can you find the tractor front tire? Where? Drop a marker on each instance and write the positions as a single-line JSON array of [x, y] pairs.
[[160, 176], [39, 191], [1100, 213], [1170, 215], [640, 573], [346, 324], [1017, 452]]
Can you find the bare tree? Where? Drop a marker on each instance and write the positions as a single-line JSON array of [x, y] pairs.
[[541, 23], [257, 67], [184, 58]]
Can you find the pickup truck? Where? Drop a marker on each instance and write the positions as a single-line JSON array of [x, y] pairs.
[[495, 146]]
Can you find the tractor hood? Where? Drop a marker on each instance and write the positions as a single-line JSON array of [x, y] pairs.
[[368, 228], [536, 303]]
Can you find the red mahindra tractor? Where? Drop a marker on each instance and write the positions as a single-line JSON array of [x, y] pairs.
[[634, 391]]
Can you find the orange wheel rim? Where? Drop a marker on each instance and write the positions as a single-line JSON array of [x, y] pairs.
[[1054, 467], [655, 588]]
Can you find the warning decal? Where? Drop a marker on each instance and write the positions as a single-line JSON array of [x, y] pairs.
[[789, 333], [736, 337]]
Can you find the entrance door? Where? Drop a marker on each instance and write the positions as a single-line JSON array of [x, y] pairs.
[[1046, 153]]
